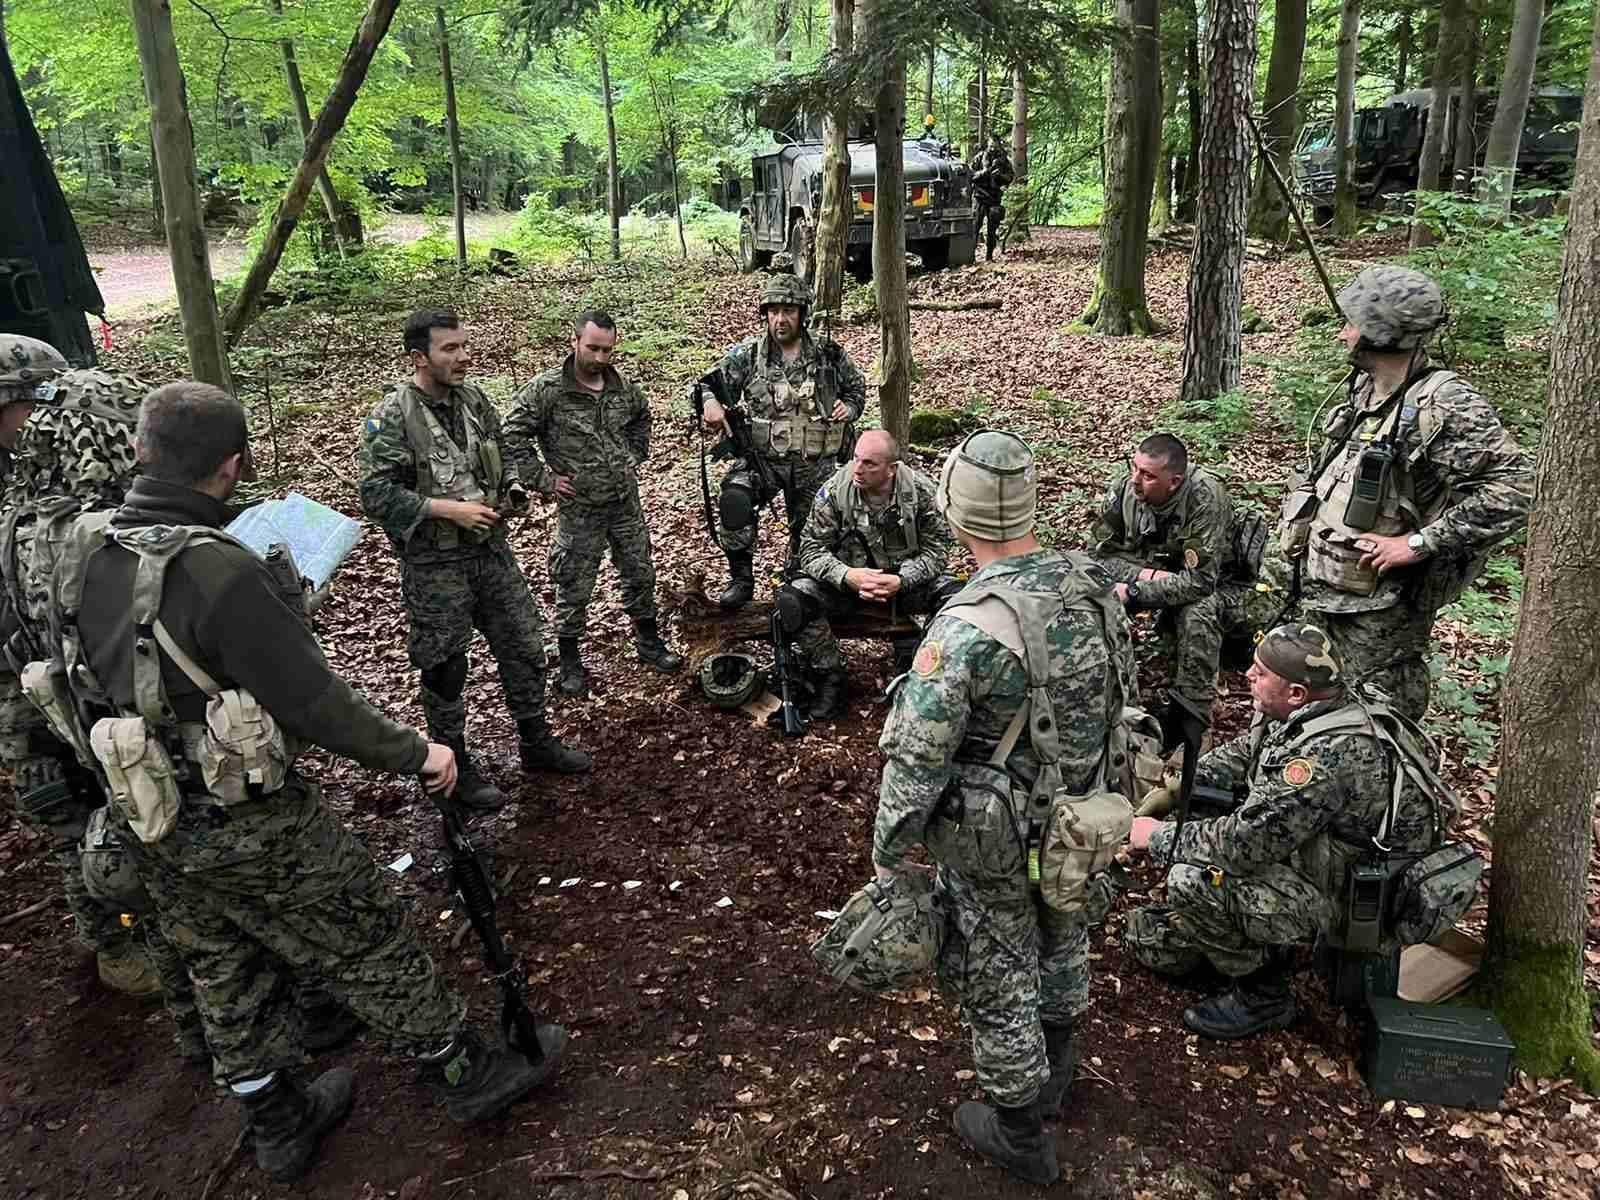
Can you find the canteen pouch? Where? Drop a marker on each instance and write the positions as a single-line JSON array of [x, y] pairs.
[[242, 755], [1080, 837], [140, 774], [1143, 766], [974, 831], [1434, 891], [1294, 519], [46, 685]]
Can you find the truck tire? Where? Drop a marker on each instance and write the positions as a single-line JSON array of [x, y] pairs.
[[934, 252], [751, 259], [802, 251]]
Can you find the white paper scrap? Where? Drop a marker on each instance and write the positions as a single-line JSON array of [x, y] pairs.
[[544, 880], [629, 884], [674, 885], [725, 902], [399, 865], [827, 914], [571, 882]]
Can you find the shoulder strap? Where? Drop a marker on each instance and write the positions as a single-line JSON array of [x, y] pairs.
[[1130, 513]]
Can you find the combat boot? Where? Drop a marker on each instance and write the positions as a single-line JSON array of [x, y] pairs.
[[1063, 1058], [1012, 1138], [129, 970], [477, 1081], [541, 750], [741, 580], [652, 650], [828, 702], [1256, 1002], [574, 679], [287, 1121], [472, 789]]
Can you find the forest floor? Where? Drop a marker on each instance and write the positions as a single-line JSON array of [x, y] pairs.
[[710, 1059]]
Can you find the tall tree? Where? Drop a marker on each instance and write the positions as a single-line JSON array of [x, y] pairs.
[[927, 80], [1516, 89], [453, 133], [1403, 37], [186, 233], [1019, 135], [1550, 753], [1466, 132], [1192, 86], [1211, 335], [302, 112], [889, 216], [780, 32], [1118, 306], [1452, 15], [1269, 211], [1344, 120], [833, 220], [613, 173]]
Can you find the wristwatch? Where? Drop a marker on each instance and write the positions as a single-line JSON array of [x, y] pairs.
[[1133, 593], [1418, 543]]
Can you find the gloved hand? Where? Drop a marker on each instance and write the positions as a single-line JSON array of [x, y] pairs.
[[1157, 802]]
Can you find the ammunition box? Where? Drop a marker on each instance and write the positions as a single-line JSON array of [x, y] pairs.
[[1436, 1054]]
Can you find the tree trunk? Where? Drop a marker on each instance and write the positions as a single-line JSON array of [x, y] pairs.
[[302, 112], [453, 130], [158, 208], [982, 138], [889, 225], [613, 172], [1269, 212], [927, 88], [1516, 88], [780, 32], [1550, 754], [1211, 336], [1161, 199], [833, 218], [1451, 16], [1133, 138], [1402, 51], [1344, 121], [1191, 85], [1022, 218], [357, 58], [186, 234], [1463, 171]]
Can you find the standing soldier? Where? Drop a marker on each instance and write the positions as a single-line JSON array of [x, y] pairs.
[[1415, 484], [1035, 635], [433, 475], [593, 428], [801, 394], [992, 174]]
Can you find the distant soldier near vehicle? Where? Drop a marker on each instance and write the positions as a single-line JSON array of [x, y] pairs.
[[435, 477], [593, 429], [874, 539], [1015, 697], [800, 395], [992, 174], [1415, 483]]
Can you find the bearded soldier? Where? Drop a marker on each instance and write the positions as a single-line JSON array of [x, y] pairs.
[[1416, 482], [434, 476], [800, 394], [1035, 639]]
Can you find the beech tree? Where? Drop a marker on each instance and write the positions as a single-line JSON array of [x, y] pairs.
[[1511, 109], [833, 217], [1344, 120], [1269, 211], [1452, 15]]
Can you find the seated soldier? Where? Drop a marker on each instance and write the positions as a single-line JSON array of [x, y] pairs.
[[1167, 536], [1331, 773], [872, 537]]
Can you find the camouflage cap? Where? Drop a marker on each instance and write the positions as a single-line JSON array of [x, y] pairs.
[[783, 288], [989, 486], [27, 364], [114, 397], [1301, 654], [1395, 308]]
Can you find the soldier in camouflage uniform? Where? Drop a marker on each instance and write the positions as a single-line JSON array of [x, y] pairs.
[[593, 429], [257, 890], [873, 537], [1166, 536], [800, 394], [1245, 889], [1415, 484], [1019, 967], [434, 476]]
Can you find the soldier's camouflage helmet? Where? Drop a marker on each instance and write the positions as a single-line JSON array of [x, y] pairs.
[[784, 288], [101, 393], [728, 680], [109, 872], [82, 445], [28, 368], [1395, 308], [1301, 654], [886, 935], [989, 486]]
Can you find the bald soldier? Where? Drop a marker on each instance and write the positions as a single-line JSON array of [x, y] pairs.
[[873, 540]]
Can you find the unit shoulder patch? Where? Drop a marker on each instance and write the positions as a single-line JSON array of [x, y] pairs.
[[1298, 772], [1191, 558], [930, 657]]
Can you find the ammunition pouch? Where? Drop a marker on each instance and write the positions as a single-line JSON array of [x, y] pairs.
[[243, 754], [1079, 838], [1294, 520], [46, 685], [140, 774], [784, 435], [886, 935]]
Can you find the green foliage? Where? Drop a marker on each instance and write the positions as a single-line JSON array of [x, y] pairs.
[[1209, 427]]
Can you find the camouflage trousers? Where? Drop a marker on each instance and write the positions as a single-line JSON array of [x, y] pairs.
[[1015, 964], [800, 480], [261, 896], [582, 536], [1231, 924], [1388, 647], [445, 602], [816, 639]]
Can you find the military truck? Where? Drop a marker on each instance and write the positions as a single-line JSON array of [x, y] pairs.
[[1388, 140], [780, 211]]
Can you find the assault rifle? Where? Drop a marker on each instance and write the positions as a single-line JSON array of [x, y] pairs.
[[794, 725], [738, 442]]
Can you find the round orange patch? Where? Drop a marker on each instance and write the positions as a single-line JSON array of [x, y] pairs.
[[1191, 558], [930, 656], [1297, 772]]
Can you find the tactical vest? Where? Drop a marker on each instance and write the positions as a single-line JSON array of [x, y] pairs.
[[795, 424], [447, 471], [1332, 556], [904, 504]]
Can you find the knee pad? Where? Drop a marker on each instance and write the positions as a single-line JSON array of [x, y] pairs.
[[448, 678], [736, 506], [794, 608]]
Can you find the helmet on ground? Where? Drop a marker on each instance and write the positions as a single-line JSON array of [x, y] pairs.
[[28, 368], [729, 680], [109, 872], [990, 486], [1395, 308], [888, 934], [784, 288], [1302, 654]]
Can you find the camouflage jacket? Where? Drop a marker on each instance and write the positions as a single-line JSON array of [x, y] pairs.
[[1187, 536], [843, 531], [389, 476], [596, 440], [965, 687], [1314, 804], [744, 363]]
